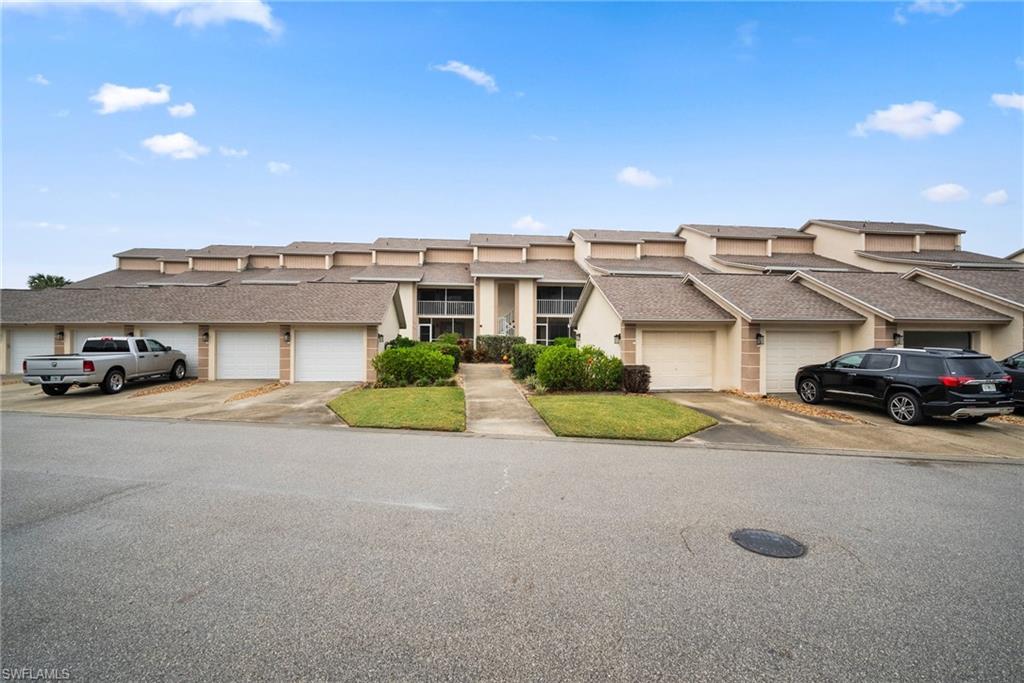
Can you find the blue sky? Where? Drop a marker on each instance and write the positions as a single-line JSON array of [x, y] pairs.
[[358, 121]]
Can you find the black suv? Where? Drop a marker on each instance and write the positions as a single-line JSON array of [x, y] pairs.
[[912, 384], [1014, 366]]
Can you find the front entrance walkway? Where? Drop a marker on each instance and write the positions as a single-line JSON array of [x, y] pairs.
[[494, 404]]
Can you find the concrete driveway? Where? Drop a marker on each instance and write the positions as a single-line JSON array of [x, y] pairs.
[[742, 421], [300, 403]]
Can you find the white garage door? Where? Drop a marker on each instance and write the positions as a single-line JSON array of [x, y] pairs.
[[248, 354], [28, 342], [679, 360], [184, 338], [787, 351], [326, 354], [80, 334]]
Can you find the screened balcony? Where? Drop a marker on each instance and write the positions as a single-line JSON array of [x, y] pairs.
[[558, 301], [447, 303]]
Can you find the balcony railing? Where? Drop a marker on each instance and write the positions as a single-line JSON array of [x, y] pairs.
[[444, 308], [556, 306]]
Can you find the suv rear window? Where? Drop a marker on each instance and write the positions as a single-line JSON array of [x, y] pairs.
[[923, 365], [105, 345], [972, 367], [879, 361]]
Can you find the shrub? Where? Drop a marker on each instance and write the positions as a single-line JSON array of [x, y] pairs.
[[561, 368], [400, 342], [604, 373], [533, 384], [524, 359], [448, 350], [401, 366], [563, 341], [449, 338], [467, 350], [495, 347], [636, 379]]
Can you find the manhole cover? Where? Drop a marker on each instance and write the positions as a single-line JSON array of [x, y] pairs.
[[768, 543]]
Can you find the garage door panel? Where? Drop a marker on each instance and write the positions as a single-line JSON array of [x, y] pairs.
[[28, 342], [679, 360], [330, 354], [248, 354], [786, 351], [184, 338]]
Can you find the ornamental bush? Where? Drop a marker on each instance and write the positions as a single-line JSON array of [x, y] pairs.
[[408, 365], [563, 341], [400, 342], [524, 359], [493, 348], [448, 350], [561, 368], [636, 379], [449, 338], [603, 373]]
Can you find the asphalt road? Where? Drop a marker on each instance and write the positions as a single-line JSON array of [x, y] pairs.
[[182, 550]]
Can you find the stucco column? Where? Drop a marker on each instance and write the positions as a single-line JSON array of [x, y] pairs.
[[129, 330], [750, 359], [203, 354], [58, 338], [284, 341], [627, 344], [372, 348], [883, 332]]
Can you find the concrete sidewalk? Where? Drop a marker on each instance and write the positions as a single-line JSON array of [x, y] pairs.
[[495, 406]]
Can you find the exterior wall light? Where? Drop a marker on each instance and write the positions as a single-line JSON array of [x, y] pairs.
[[206, 337], [759, 339], [287, 337], [60, 335], [380, 338], [897, 339], [618, 339]]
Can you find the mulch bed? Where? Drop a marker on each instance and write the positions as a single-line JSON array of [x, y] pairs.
[[1010, 419], [258, 391], [164, 388], [799, 408]]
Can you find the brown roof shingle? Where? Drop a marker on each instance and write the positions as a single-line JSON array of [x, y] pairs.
[[417, 244], [647, 265], [627, 236], [784, 262], [743, 232], [156, 254], [1004, 284], [484, 239], [119, 278], [951, 258], [657, 299], [901, 299], [233, 250], [774, 298], [883, 226], [320, 248], [542, 271]]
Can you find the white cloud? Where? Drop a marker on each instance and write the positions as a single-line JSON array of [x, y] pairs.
[[182, 111], [473, 75], [1008, 101], [114, 98], [232, 152], [631, 175], [941, 8], [544, 138], [746, 34], [175, 145], [996, 198], [947, 192], [194, 13], [914, 120], [38, 79], [279, 167], [528, 222]]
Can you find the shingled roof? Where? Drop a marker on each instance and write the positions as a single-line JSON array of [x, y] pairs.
[[323, 248], [1004, 285], [882, 226], [155, 254], [653, 299], [744, 232], [626, 236], [646, 265], [482, 239], [542, 271], [950, 258], [417, 244], [233, 251], [767, 299], [897, 298], [335, 303], [783, 262]]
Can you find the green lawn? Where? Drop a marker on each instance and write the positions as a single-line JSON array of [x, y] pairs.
[[440, 409], [618, 416]]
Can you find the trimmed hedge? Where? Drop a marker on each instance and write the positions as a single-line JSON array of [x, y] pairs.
[[412, 364], [447, 349], [400, 342], [563, 341], [494, 348], [524, 359], [636, 379], [449, 338], [564, 368]]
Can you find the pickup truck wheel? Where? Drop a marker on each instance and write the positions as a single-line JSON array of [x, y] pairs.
[[904, 408], [56, 389], [113, 383], [178, 371]]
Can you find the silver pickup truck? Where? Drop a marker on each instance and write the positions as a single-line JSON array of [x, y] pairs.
[[107, 361]]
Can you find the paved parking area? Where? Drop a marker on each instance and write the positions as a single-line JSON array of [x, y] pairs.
[[747, 422], [301, 403]]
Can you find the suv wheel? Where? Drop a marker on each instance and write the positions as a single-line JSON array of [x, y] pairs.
[[178, 371], [904, 408], [810, 391], [113, 383]]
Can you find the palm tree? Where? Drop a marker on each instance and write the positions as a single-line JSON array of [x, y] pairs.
[[41, 281]]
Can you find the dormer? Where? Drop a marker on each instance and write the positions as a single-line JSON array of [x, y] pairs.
[[170, 261], [412, 251], [627, 244], [736, 248], [317, 255], [231, 257]]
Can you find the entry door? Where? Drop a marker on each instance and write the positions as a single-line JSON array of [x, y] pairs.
[[248, 354], [679, 360], [425, 331]]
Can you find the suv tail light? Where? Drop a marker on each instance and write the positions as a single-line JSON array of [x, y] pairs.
[[950, 381], [1007, 378], [88, 366]]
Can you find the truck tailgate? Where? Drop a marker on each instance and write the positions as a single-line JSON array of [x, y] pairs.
[[56, 365]]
